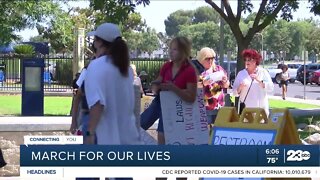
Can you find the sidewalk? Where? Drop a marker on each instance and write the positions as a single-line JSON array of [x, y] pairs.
[[297, 100]]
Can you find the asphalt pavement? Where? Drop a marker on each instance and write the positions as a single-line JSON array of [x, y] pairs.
[[297, 92]]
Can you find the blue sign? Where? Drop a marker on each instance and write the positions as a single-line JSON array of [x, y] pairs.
[[201, 155], [32, 87]]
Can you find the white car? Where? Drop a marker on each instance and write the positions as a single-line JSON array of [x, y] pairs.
[[275, 72]]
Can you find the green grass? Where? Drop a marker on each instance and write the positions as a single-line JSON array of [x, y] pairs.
[[53, 105], [290, 105], [287, 104]]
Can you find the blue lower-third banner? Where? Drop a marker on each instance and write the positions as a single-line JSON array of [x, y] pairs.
[[180, 156]]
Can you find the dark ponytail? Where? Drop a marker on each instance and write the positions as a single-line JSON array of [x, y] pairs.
[[120, 55]]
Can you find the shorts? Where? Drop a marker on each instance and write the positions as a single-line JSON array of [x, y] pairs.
[[284, 82]]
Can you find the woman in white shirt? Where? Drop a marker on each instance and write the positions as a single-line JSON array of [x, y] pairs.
[[284, 81], [260, 79], [109, 91]]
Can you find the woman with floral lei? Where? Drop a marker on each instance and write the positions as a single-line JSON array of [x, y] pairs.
[[212, 84]]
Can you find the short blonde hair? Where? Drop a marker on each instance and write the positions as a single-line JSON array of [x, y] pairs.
[[205, 53]]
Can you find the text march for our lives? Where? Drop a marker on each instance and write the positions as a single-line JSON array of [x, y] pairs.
[[88, 155], [162, 159]]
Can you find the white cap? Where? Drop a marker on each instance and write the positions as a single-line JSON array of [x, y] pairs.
[[106, 31]]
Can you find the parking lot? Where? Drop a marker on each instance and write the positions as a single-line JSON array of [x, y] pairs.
[[297, 90]]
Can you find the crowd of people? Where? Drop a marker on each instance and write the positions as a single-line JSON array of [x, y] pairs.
[[103, 105]]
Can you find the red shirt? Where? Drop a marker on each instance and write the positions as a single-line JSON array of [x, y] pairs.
[[186, 74]]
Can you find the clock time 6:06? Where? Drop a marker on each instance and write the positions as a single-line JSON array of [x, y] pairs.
[[272, 151]]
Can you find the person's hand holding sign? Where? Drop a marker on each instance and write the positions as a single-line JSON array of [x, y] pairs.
[[168, 86]]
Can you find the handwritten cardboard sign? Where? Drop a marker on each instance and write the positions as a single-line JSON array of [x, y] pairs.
[[184, 123]]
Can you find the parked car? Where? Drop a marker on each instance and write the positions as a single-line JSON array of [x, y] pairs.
[[275, 72], [315, 77], [294, 66], [309, 69]]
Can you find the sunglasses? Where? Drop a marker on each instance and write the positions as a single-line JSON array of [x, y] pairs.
[[209, 58]]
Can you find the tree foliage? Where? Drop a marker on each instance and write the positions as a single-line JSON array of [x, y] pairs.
[[279, 38], [18, 15], [149, 41], [115, 11], [266, 14], [313, 43], [180, 18], [201, 35], [176, 20], [205, 14], [59, 32], [199, 25]]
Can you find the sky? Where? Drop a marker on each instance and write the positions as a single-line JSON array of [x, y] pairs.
[[158, 10]]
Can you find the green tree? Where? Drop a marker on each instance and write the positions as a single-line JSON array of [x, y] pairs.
[[59, 32], [315, 6], [299, 32], [149, 42], [201, 35], [267, 13], [189, 22], [164, 42], [205, 14], [134, 22], [134, 40], [279, 38], [18, 15], [115, 11], [132, 29], [177, 19], [313, 43]]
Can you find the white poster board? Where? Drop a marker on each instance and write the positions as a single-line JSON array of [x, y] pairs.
[[146, 138], [184, 123]]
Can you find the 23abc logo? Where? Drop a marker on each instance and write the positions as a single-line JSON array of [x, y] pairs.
[[298, 155]]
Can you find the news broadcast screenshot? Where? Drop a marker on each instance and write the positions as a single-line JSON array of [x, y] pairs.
[[159, 90]]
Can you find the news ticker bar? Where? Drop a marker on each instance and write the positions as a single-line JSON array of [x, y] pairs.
[[144, 155], [193, 172]]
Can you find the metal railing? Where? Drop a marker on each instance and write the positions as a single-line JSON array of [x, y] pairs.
[[58, 73], [59, 69]]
